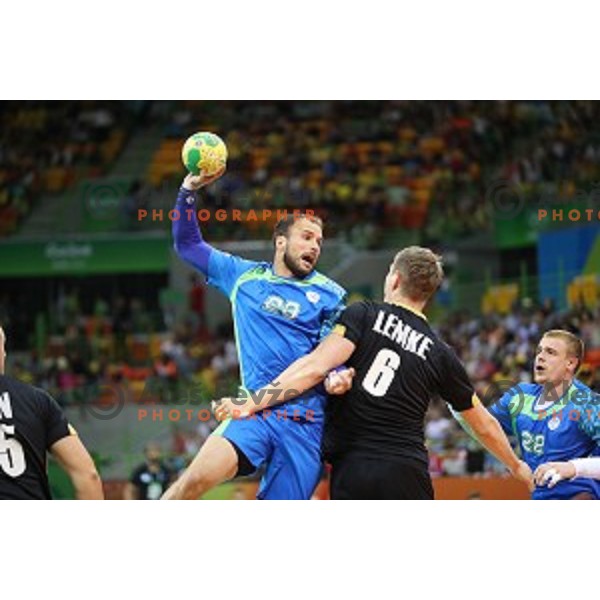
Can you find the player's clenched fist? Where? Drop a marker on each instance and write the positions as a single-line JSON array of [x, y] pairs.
[[339, 382]]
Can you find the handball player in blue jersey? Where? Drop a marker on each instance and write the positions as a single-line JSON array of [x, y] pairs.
[[555, 419], [281, 310]]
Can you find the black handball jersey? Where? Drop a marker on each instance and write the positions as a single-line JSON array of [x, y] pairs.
[[30, 423], [400, 366]]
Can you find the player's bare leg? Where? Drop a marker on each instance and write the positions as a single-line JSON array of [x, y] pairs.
[[215, 463]]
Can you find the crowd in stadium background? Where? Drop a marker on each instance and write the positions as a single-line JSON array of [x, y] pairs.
[[371, 169], [380, 159]]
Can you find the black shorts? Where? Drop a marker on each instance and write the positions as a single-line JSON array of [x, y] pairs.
[[360, 478]]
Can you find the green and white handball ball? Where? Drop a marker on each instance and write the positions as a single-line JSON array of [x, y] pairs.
[[204, 152]]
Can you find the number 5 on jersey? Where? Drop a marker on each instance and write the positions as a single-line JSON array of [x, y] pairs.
[[12, 458], [381, 373]]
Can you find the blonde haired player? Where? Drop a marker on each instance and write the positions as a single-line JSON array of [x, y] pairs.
[[555, 420]]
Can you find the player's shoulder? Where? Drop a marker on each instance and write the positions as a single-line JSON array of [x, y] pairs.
[[583, 394], [33, 401], [221, 255], [254, 269], [364, 307], [367, 304], [443, 346], [442, 350], [581, 387], [260, 267], [22, 389], [587, 402], [526, 389], [327, 285]]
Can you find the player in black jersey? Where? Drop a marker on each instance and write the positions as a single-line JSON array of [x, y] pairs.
[[374, 434], [31, 423]]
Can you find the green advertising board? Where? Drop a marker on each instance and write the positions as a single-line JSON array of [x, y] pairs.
[[522, 228], [517, 231], [84, 256]]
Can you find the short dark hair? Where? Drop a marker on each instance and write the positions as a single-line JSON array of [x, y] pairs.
[[282, 227]]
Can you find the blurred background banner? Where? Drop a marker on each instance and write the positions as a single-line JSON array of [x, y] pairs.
[[83, 257], [93, 298]]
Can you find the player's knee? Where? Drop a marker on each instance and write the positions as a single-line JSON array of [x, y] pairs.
[[198, 482], [205, 477]]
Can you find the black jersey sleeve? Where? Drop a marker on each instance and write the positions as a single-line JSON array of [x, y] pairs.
[[455, 386], [57, 426], [351, 323]]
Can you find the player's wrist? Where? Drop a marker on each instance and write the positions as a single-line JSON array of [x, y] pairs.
[[514, 467], [575, 468], [187, 196], [255, 405], [187, 188]]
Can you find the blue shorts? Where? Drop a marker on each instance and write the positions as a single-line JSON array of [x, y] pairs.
[[291, 450], [565, 490]]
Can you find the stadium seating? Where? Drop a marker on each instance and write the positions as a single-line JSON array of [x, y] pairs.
[[417, 165], [46, 147]]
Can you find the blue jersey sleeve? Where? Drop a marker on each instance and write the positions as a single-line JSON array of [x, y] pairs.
[[331, 316], [225, 269], [502, 413], [589, 421], [221, 269], [187, 238]]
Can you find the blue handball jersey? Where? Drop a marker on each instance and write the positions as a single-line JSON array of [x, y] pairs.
[[276, 320], [553, 431]]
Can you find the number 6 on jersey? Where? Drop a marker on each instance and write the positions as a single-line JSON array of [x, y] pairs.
[[381, 373]]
